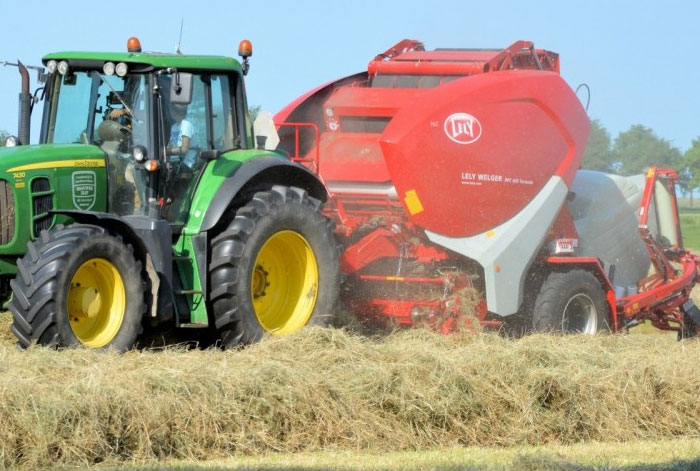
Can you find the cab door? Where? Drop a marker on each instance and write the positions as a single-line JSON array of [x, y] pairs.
[[207, 122]]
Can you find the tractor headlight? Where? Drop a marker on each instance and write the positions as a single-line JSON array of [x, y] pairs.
[[63, 67], [139, 153], [51, 65], [11, 141], [122, 69], [109, 68]]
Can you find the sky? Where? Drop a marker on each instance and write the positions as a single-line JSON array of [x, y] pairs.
[[639, 58]]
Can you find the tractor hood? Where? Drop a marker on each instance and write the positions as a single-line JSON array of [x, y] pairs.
[[48, 156]]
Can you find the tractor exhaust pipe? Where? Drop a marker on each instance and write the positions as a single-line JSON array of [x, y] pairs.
[[25, 107]]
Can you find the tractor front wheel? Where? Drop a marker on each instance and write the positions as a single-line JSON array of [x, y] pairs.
[[571, 302], [274, 269], [78, 286]]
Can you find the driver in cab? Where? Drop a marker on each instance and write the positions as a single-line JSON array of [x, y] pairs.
[[182, 136]]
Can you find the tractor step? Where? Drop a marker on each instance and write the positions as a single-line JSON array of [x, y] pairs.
[[188, 291], [194, 326]]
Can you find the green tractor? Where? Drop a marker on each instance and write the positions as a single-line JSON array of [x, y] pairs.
[[147, 203]]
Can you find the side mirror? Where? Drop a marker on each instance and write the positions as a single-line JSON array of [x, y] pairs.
[[210, 154], [181, 89]]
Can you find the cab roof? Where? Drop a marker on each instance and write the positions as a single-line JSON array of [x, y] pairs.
[[155, 59]]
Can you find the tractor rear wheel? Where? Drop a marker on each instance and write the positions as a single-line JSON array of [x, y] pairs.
[[571, 302], [274, 269], [78, 286]]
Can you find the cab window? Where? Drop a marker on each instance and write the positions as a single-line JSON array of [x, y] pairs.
[[207, 122]]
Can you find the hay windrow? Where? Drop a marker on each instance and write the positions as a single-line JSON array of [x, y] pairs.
[[327, 389], [6, 336]]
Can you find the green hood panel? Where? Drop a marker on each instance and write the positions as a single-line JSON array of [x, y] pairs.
[[72, 176], [47, 156]]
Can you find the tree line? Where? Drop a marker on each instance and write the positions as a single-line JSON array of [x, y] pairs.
[[638, 148]]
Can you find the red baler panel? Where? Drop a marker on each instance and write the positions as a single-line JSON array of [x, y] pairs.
[[363, 101], [471, 154], [352, 157]]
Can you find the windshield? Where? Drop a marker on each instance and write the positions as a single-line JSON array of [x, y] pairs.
[[81, 102], [110, 112]]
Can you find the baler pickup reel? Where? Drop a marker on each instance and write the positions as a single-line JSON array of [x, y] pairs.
[[663, 297]]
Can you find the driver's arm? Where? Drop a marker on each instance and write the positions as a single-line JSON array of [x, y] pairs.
[[181, 150]]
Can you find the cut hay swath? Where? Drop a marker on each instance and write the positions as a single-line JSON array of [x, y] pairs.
[[325, 389]]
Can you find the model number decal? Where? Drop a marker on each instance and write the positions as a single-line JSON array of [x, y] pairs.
[[84, 190], [462, 128], [478, 179]]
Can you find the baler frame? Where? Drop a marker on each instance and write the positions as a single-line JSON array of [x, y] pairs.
[[659, 300], [662, 294], [381, 221]]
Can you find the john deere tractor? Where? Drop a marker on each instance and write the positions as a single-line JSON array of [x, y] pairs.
[[146, 202]]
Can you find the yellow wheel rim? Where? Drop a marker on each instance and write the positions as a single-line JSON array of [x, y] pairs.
[[284, 283], [96, 303]]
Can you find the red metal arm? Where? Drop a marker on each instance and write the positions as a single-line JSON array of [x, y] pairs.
[[402, 46]]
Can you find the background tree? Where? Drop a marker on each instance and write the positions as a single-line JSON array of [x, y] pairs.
[[691, 161], [3, 135], [639, 147], [598, 155]]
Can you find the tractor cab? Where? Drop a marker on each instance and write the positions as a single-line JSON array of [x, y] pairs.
[[156, 126]]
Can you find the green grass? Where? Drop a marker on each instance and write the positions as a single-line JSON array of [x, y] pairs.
[[690, 226], [679, 454]]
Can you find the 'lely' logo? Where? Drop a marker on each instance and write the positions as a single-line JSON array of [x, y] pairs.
[[462, 128]]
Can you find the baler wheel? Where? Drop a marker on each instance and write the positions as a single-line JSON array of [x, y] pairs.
[[274, 269], [78, 286], [571, 302]]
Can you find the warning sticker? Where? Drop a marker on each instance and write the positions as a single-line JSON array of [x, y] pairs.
[[84, 190]]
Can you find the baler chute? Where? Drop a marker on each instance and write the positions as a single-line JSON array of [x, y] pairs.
[[450, 169]]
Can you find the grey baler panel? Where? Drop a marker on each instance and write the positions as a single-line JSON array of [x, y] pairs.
[[605, 210], [511, 247]]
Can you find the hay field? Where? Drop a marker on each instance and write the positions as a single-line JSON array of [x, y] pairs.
[[690, 224], [332, 391]]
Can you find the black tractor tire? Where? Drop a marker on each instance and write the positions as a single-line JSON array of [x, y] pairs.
[[571, 302], [257, 259], [49, 305]]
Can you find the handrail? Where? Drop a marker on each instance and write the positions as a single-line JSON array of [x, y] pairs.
[[316, 152]]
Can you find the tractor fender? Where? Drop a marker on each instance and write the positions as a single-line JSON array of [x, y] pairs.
[[151, 240], [257, 172]]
